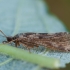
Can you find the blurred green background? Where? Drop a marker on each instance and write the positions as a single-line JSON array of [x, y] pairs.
[[61, 8]]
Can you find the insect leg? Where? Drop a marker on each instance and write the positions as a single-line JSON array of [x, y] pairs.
[[16, 42]]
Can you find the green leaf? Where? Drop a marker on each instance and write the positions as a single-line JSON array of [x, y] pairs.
[[21, 54]]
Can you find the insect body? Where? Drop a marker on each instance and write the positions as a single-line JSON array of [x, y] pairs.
[[56, 41]]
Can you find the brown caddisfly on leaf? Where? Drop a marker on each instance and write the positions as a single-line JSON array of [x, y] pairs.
[[54, 41]]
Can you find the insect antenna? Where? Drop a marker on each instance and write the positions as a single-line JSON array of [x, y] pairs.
[[3, 34]]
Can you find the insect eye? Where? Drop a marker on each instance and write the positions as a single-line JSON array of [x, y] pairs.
[[9, 38]]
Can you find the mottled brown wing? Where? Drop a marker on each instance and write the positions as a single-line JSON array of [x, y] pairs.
[[57, 41]]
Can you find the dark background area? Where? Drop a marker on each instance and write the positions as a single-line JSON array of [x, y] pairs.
[[60, 8]]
